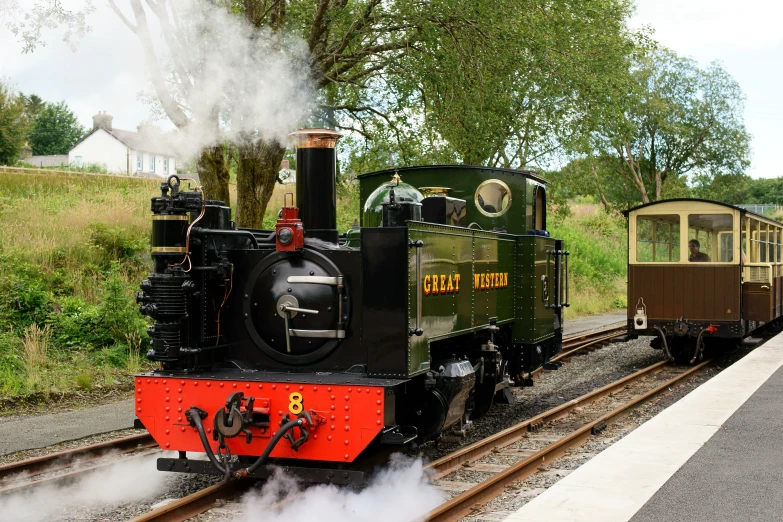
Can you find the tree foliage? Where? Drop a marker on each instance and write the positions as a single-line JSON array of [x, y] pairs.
[[513, 88], [33, 105], [55, 129], [679, 120], [13, 125], [28, 19]]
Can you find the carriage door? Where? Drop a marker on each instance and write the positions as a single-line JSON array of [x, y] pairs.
[[757, 297]]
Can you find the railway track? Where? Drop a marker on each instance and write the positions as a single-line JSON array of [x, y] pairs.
[[66, 466], [567, 426], [66, 458], [55, 468], [201, 501]]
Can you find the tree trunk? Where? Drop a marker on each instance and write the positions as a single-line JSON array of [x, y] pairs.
[[600, 190], [213, 173], [258, 165], [636, 171], [658, 184]]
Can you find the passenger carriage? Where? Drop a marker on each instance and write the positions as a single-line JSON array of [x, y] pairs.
[[701, 271]]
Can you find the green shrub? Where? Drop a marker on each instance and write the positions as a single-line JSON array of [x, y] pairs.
[[76, 323], [10, 351], [24, 293], [119, 316], [116, 243]]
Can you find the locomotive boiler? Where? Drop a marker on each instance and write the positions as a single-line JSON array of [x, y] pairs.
[[306, 348]]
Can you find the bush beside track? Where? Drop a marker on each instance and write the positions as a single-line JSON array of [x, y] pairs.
[[598, 243]]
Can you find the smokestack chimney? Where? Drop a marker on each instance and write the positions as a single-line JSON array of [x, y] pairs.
[[316, 175], [102, 120]]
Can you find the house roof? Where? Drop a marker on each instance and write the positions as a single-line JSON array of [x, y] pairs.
[[143, 143], [136, 141]]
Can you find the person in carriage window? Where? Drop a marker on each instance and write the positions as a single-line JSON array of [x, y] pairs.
[[696, 256]]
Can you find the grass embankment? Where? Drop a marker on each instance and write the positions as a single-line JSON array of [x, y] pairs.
[[598, 243], [73, 250]]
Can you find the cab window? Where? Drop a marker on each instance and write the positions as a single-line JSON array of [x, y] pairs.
[[658, 239], [710, 238], [493, 197]]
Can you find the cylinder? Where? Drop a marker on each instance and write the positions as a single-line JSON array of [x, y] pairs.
[[316, 176]]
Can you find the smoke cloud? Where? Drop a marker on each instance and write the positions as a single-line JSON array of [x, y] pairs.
[[398, 493], [234, 81], [125, 481]]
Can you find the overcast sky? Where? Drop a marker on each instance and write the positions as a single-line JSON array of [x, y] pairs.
[[107, 71]]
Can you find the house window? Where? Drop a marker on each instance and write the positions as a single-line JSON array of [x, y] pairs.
[[139, 162], [166, 166], [77, 161], [152, 163]]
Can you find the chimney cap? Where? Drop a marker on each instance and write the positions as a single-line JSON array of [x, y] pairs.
[[316, 138]]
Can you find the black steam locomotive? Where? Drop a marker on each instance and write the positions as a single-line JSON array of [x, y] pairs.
[[386, 336]]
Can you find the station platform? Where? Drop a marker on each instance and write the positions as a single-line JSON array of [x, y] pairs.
[[593, 322], [715, 455]]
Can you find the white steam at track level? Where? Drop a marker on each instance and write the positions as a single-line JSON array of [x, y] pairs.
[[232, 80], [399, 493], [126, 481]]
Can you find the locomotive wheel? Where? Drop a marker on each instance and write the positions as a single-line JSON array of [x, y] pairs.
[[427, 413]]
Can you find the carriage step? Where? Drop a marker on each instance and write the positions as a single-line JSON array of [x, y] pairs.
[[752, 341]]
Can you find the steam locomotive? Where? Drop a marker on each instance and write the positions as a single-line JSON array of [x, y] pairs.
[[316, 351]]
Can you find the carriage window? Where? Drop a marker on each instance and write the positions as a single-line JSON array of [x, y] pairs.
[[710, 238], [658, 239], [493, 198]]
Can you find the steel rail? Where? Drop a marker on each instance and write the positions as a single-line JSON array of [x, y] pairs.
[[587, 343], [195, 503], [585, 337], [583, 341], [464, 503], [65, 459], [477, 450], [65, 478]]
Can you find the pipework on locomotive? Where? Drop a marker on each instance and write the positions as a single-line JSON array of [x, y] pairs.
[[319, 351]]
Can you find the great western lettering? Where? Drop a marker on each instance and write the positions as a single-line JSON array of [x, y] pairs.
[[436, 284]]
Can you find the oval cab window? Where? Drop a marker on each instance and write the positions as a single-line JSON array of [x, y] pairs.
[[493, 197]]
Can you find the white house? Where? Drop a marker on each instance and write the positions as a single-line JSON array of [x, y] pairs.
[[144, 152]]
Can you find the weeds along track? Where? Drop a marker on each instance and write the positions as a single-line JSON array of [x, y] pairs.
[[56, 469], [517, 452]]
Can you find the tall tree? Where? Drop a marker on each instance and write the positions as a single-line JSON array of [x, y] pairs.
[[349, 45], [34, 104], [13, 125], [678, 120], [55, 130], [514, 97]]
